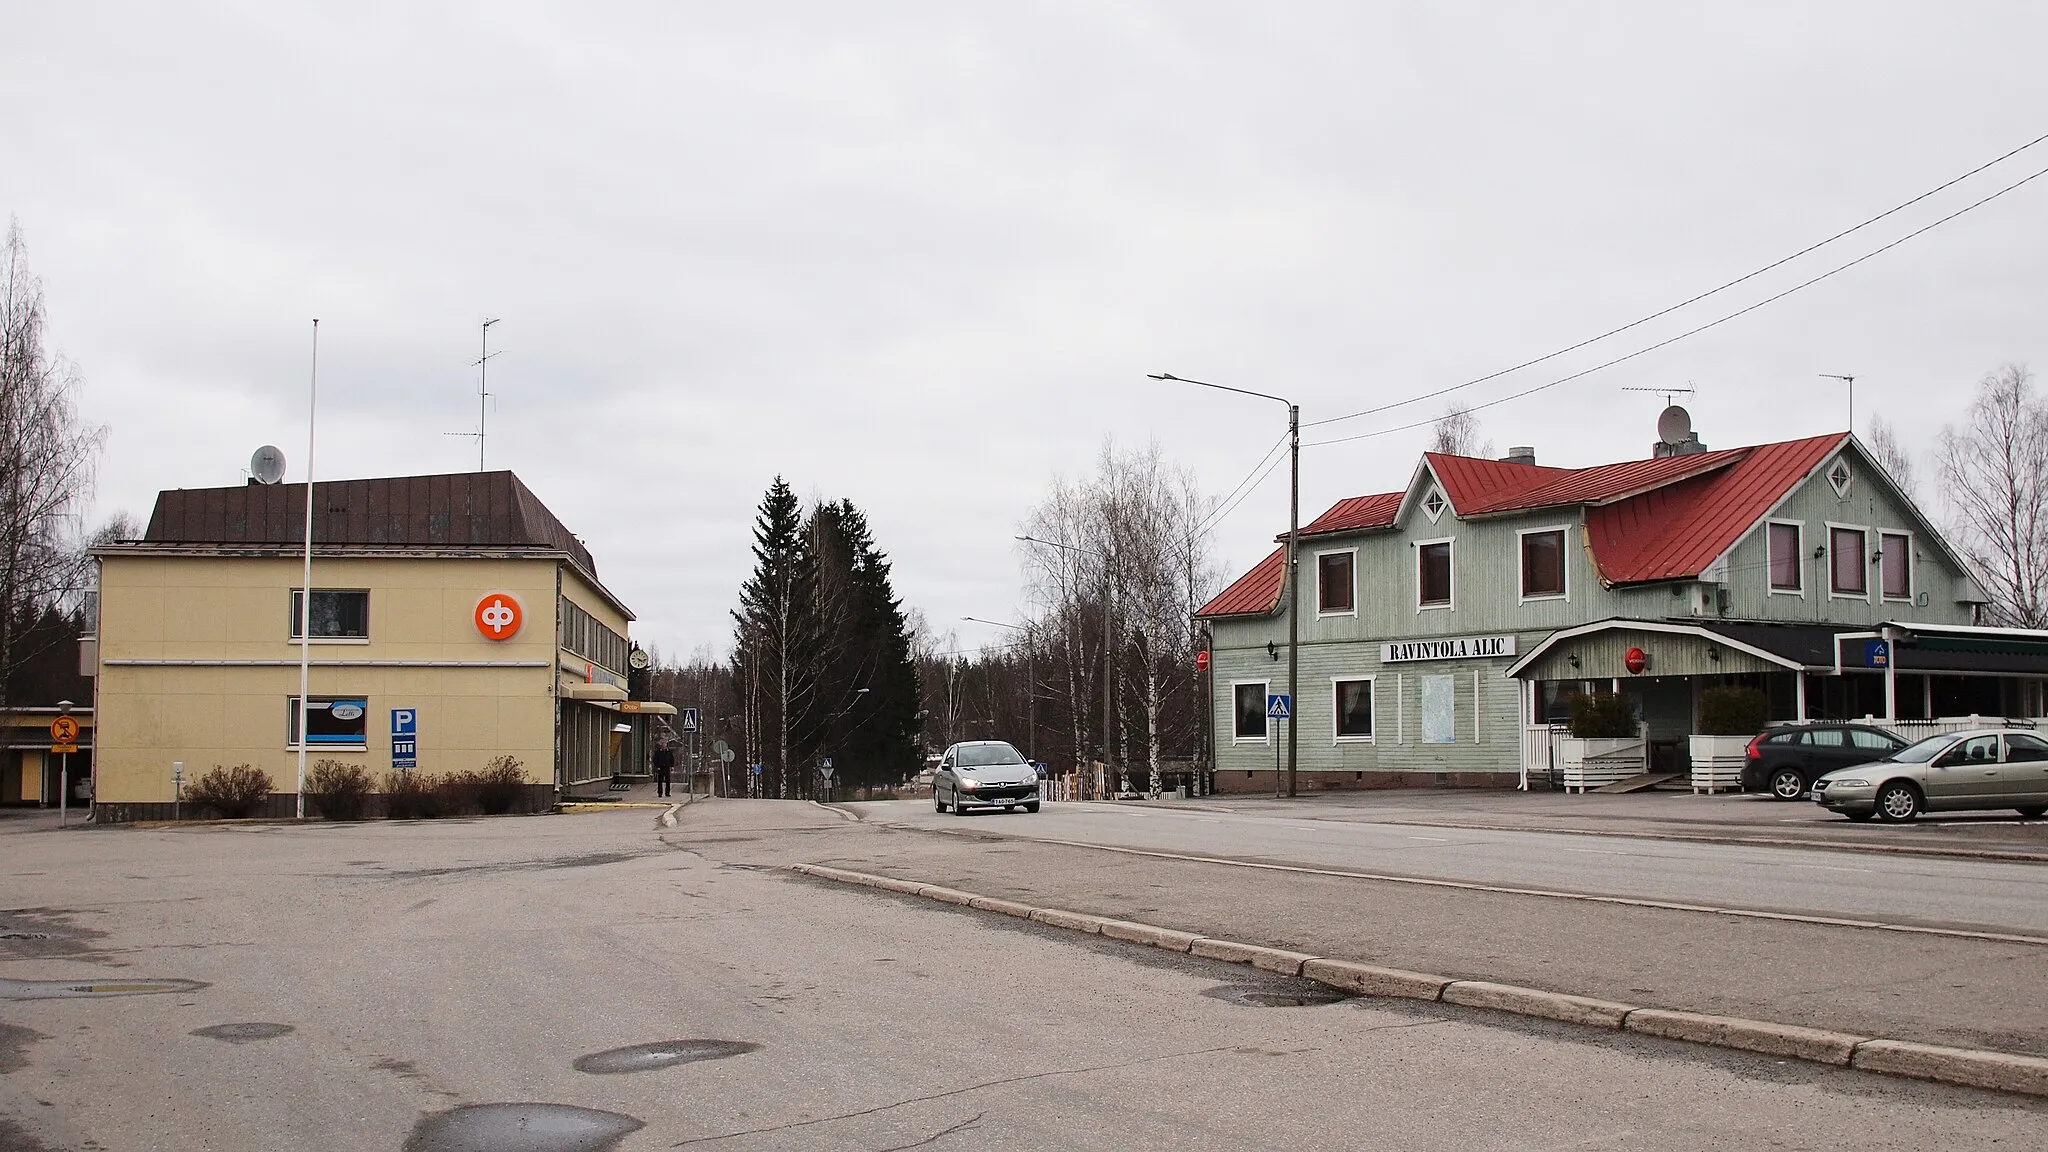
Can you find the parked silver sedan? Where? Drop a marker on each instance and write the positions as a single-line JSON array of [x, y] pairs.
[[984, 774], [1984, 768]]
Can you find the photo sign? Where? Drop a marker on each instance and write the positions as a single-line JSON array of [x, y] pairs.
[[1453, 648]]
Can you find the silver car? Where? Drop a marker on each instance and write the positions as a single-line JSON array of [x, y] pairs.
[[984, 774], [1984, 768]]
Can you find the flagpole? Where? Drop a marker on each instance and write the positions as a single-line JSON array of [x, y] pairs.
[[306, 585]]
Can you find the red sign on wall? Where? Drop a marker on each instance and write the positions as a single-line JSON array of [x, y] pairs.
[[1635, 660], [1202, 661]]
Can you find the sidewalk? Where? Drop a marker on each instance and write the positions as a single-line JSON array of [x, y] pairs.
[[1967, 993]]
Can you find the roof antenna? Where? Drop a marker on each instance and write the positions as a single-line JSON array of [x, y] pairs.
[[482, 366], [1851, 382], [1670, 394]]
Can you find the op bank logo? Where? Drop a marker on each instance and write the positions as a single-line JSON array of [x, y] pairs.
[[498, 616]]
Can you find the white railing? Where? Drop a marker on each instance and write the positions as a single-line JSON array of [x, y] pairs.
[[1539, 745], [1921, 729]]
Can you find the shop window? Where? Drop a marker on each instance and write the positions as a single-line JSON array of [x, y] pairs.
[[1433, 574], [331, 721], [1554, 698], [1895, 565], [1542, 564], [1250, 711], [1847, 562], [1335, 592], [1787, 565], [338, 614], [1353, 701]]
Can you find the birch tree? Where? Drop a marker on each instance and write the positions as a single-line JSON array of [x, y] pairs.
[[1994, 470]]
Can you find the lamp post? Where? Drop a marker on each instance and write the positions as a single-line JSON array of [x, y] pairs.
[[1290, 567], [1108, 632], [1031, 674]]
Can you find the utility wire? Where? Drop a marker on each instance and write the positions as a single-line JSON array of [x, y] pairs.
[[1259, 472], [1702, 328], [1684, 303]]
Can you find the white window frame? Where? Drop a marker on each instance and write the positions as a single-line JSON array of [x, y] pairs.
[[1848, 476], [1353, 610], [291, 718], [1371, 693], [1451, 604], [1564, 550], [1799, 559], [1435, 493], [291, 631], [1266, 686], [1870, 587], [1908, 598]]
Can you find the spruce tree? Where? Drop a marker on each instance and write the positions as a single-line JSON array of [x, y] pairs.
[[776, 638]]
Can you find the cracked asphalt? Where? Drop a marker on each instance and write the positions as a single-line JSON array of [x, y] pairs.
[[376, 986]]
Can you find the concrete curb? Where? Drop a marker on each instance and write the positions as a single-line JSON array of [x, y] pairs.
[[1967, 1067]]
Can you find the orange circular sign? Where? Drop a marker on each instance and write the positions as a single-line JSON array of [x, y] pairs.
[[64, 730], [498, 616]]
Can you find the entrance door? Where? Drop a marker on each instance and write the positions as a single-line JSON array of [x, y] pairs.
[[1665, 704]]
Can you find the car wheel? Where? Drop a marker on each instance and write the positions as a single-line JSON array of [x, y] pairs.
[[1787, 784], [1033, 807], [2033, 811], [1859, 817], [959, 808], [1898, 802]]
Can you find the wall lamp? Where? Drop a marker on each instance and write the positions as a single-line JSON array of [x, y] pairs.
[[1272, 650], [1573, 660], [1714, 653]]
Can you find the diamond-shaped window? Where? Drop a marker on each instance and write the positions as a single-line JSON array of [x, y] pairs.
[[1839, 477], [1433, 506]]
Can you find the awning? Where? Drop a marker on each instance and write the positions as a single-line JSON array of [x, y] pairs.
[[647, 707], [575, 691]]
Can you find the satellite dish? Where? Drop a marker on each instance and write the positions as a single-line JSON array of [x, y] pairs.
[[267, 465], [1674, 425]]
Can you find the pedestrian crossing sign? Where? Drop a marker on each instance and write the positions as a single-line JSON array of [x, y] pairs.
[[1277, 706]]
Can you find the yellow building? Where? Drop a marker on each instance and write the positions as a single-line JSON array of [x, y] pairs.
[[454, 620]]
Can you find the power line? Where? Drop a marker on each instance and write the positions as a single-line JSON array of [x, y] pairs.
[[1223, 506], [1684, 303], [1702, 328]]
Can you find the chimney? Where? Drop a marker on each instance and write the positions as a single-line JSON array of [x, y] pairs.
[[1522, 455]]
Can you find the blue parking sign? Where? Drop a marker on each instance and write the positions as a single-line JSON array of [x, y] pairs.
[[405, 740]]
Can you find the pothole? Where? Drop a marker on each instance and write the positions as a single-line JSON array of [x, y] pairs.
[[658, 1055], [244, 1033], [521, 1128], [75, 989], [1253, 996]]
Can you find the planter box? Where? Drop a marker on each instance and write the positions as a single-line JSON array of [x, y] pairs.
[[1717, 763], [1600, 761]]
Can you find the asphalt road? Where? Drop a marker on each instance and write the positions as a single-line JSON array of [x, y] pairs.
[[359, 984], [1965, 894]]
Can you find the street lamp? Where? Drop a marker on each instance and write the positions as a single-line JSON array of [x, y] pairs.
[[1290, 567], [1031, 673], [1108, 629]]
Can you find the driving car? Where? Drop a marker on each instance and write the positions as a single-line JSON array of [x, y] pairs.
[[1981, 768], [1784, 761], [984, 774]]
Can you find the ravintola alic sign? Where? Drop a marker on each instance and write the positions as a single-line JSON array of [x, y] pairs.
[[1452, 648]]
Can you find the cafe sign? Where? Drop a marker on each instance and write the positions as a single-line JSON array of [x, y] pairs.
[[1454, 648]]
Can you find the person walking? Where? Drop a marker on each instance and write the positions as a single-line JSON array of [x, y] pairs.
[[664, 768]]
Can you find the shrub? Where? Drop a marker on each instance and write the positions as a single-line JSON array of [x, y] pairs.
[[457, 791], [1602, 716], [500, 787], [1733, 711], [414, 796], [234, 793], [338, 791]]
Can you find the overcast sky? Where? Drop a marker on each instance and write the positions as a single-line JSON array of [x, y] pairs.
[[923, 255]]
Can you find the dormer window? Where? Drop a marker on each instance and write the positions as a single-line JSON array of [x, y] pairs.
[[1839, 477], [1433, 505]]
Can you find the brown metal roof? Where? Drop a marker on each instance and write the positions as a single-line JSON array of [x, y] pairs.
[[482, 510]]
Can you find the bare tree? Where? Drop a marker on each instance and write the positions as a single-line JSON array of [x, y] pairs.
[[1456, 433], [1995, 473], [1892, 455], [47, 457]]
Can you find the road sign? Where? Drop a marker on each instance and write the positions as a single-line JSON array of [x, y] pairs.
[[721, 747], [64, 730], [405, 740], [826, 772], [1202, 661], [757, 769], [689, 719], [1278, 706], [725, 755]]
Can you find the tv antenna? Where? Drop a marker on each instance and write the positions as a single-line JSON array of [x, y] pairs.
[[1851, 382], [1670, 394], [482, 364]]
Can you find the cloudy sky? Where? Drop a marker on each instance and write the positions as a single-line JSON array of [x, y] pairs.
[[923, 255]]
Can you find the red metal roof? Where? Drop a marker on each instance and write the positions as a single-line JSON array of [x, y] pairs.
[[1255, 593], [1356, 514], [1485, 487]]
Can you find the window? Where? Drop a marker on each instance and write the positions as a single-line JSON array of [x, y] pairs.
[[1433, 573], [1353, 700], [2022, 748], [1895, 565], [1334, 590], [587, 637], [1827, 738], [1542, 563], [1785, 738], [331, 721], [337, 614], [1866, 741], [1433, 505], [1787, 565], [1846, 562], [1839, 477], [1250, 722]]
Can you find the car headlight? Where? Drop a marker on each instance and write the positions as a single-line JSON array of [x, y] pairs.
[[1849, 783], [969, 785]]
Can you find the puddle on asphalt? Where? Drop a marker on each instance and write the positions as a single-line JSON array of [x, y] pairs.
[[1251, 996], [244, 1033], [521, 1128], [76, 989], [658, 1055]]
